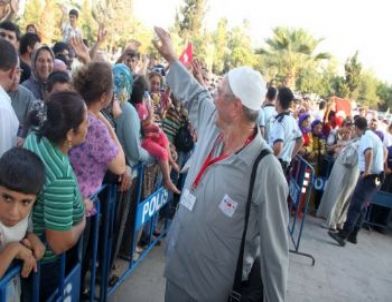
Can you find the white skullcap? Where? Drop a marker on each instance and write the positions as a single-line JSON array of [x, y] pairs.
[[248, 85]]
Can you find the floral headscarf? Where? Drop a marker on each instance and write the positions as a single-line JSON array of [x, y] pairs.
[[303, 117], [123, 81]]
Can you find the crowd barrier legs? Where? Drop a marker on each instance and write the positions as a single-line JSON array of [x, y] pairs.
[[301, 179], [144, 214]]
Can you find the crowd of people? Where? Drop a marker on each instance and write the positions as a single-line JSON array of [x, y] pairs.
[[70, 121]]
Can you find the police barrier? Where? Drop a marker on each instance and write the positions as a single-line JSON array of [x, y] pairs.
[[144, 217], [68, 289], [380, 198], [145, 214], [9, 282], [301, 180]]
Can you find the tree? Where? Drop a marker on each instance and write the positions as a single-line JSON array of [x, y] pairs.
[[46, 15], [190, 19], [220, 39], [384, 93], [86, 22], [240, 48], [367, 89], [353, 74], [189, 25], [291, 51]]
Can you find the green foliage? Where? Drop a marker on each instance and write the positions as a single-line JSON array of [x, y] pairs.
[[190, 19], [367, 89], [353, 75], [292, 53], [220, 38], [384, 93]]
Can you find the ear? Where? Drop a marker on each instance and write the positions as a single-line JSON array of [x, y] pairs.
[[70, 135], [12, 73]]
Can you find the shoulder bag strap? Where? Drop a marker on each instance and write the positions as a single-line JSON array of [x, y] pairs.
[[240, 261]]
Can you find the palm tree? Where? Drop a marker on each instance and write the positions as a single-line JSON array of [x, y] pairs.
[[290, 51]]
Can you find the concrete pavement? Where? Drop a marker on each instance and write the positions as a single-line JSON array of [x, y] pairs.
[[354, 273]]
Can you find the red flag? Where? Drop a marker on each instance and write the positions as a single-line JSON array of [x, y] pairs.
[[187, 55], [343, 107]]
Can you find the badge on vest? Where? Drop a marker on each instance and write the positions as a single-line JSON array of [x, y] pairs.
[[228, 206], [188, 200]]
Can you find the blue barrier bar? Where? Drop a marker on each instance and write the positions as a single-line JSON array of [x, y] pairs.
[[301, 181], [146, 212], [6, 283]]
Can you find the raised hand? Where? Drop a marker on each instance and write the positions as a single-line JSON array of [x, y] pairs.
[[81, 50], [164, 45]]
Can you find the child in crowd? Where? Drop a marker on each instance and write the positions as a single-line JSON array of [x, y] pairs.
[[155, 140], [22, 176]]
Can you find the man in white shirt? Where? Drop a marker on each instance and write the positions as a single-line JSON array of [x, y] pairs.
[[269, 110], [285, 137], [371, 158], [9, 123], [71, 30]]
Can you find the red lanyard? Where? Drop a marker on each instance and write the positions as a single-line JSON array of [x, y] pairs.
[[210, 160]]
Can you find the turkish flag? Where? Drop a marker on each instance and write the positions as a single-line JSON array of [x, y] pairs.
[[343, 107], [187, 55]]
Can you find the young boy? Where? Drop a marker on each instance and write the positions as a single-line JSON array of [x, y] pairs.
[[70, 29], [22, 176]]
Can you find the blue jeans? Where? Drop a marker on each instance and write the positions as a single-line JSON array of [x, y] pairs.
[[363, 192]]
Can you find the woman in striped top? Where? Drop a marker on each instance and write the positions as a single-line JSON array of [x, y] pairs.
[[58, 216]]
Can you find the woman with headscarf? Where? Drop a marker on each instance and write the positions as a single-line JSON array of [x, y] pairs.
[[303, 123], [42, 63], [127, 125], [317, 152]]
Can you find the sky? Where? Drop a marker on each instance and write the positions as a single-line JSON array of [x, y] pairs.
[[345, 25]]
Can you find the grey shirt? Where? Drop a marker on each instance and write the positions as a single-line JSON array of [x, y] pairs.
[[21, 100], [203, 243]]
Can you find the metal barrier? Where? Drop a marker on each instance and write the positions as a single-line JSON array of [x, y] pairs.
[[301, 179], [381, 198], [7, 283], [143, 213], [68, 289]]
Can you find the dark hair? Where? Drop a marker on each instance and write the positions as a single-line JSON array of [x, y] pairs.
[[74, 12], [8, 25], [285, 97], [28, 39], [8, 55], [93, 80], [347, 122], [65, 111], [57, 77], [271, 93], [139, 87], [132, 53], [322, 105], [22, 171], [62, 58], [33, 26], [361, 123], [59, 47]]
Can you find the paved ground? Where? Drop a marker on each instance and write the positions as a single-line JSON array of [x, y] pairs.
[[357, 273]]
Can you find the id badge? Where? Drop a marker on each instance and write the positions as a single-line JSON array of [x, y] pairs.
[[228, 206], [188, 200]]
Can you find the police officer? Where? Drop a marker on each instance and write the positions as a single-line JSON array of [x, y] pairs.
[[371, 157], [285, 137]]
